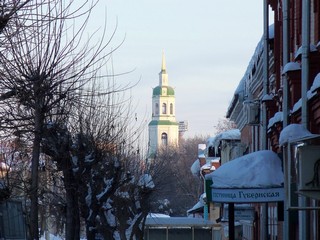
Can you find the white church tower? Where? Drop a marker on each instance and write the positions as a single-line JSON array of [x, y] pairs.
[[163, 128]]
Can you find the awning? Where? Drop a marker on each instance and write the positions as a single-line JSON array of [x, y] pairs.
[[255, 177]]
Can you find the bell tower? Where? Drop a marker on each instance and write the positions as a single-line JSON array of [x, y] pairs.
[[163, 128]]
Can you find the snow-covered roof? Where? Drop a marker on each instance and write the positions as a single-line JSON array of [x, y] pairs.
[[298, 104], [208, 166], [195, 168], [267, 97], [295, 133], [157, 215], [278, 117], [312, 48], [199, 205], [259, 169], [291, 66], [177, 221], [233, 134], [316, 83]]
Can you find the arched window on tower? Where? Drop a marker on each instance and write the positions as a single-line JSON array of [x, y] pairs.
[[171, 108], [164, 108], [164, 139], [157, 109]]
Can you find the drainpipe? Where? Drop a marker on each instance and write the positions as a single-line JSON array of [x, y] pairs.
[[205, 207], [305, 61], [285, 59], [303, 215], [265, 71], [264, 219], [285, 110]]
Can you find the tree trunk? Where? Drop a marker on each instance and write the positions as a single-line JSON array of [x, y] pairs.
[[72, 211], [34, 177]]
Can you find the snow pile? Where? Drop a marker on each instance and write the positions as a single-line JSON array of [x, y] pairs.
[[294, 133], [255, 170]]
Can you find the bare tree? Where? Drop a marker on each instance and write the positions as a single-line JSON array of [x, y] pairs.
[[224, 124], [9, 10], [42, 65], [178, 187], [102, 169]]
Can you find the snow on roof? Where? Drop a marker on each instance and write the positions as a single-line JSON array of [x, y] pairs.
[[255, 170], [278, 117], [253, 60], [312, 48], [233, 134], [295, 133], [241, 87], [291, 66], [195, 168], [157, 215], [177, 221], [208, 166], [199, 204], [316, 83], [298, 104], [210, 141], [267, 97], [196, 207]]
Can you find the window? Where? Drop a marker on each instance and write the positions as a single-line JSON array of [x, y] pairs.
[[164, 108], [157, 109], [171, 108], [164, 139]]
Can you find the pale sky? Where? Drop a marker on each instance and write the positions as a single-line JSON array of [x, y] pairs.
[[207, 43]]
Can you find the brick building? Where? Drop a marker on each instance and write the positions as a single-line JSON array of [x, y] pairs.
[[281, 87]]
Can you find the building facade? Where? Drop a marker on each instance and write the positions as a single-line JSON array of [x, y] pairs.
[[163, 128], [279, 99]]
